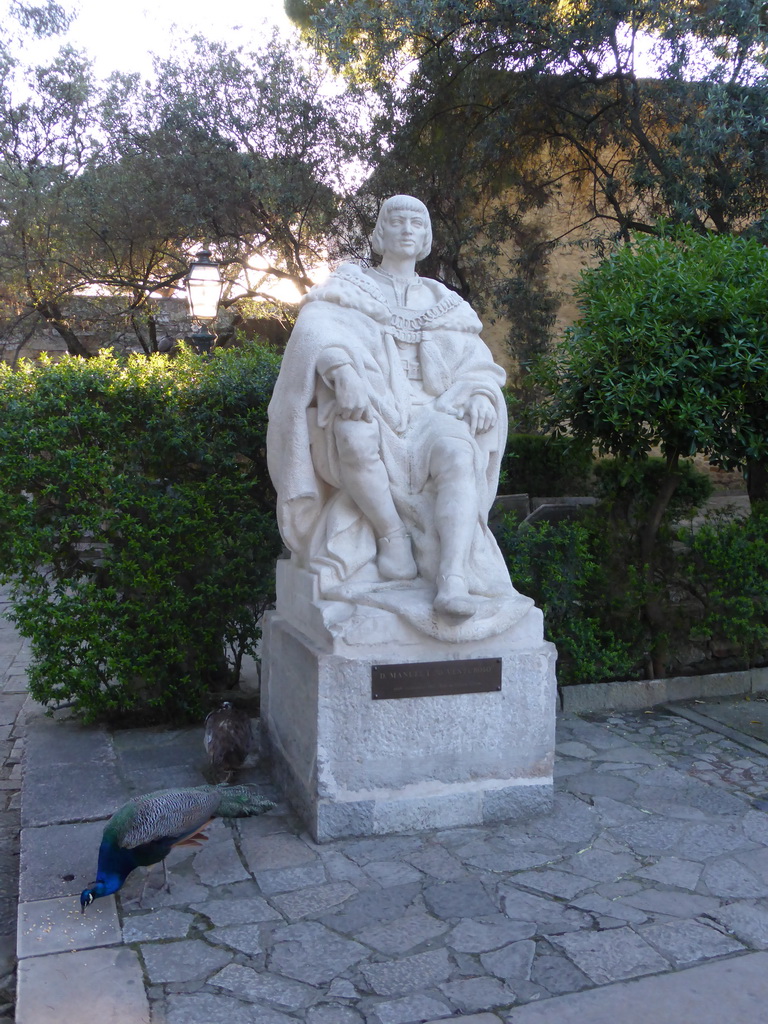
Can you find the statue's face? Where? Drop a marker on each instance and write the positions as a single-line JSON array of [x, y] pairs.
[[403, 233]]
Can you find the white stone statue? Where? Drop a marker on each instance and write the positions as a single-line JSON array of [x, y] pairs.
[[386, 430]]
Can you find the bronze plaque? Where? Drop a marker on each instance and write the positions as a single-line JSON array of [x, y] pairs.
[[435, 678]]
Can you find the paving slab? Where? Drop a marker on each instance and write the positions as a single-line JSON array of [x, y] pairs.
[[160, 924], [58, 860], [745, 713], [408, 974], [749, 923], [58, 926], [610, 955], [257, 986], [73, 792], [202, 1008], [15, 683], [733, 990], [684, 943], [52, 742], [244, 910], [186, 960], [475, 994], [712, 723], [410, 1008], [95, 986], [139, 749]]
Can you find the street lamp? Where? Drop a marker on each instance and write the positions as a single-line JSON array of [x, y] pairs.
[[204, 285]]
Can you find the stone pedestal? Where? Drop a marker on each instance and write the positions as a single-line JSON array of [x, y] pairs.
[[355, 766]]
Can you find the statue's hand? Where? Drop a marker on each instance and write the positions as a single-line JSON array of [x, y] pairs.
[[351, 394], [479, 413]]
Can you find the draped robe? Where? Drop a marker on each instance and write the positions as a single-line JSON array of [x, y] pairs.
[[419, 367]]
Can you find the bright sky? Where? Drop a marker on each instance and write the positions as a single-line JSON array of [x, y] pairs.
[[121, 34]]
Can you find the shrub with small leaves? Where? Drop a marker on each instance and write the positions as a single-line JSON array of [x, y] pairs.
[[137, 526], [670, 352], [559, 566], [727, 572]]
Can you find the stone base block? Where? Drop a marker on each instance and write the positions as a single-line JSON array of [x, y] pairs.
[[357, 766]]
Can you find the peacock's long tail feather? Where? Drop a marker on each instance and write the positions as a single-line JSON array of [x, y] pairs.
[[239, 801], [169, 815]]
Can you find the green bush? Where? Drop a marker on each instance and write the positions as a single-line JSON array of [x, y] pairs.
[[709, 590], [727, 572], [137, 526], [559, 566], [669, 350], [546, 466], [649, 609]]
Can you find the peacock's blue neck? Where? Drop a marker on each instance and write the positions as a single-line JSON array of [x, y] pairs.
[[106, 884], [115, 864]]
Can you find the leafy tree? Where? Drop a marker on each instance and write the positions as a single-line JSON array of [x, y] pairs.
[[254, 147], [58, 201], [45, 143], [41, 19], [508, 105], [106, 188], [670, 352]]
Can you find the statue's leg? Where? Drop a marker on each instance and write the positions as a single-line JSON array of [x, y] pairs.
[[451, 467], [364, 478]]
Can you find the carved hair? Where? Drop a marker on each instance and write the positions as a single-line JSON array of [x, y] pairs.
[[402, 203]]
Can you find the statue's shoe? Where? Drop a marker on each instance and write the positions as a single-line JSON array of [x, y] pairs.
[[395, 559], [453, 599]]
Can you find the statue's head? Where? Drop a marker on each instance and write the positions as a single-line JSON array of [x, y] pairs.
[[392, 205]]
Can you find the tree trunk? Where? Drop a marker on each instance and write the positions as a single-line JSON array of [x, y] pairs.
[[655, 612], [148, 346], [52, 313], [757, 480], [660, 504]]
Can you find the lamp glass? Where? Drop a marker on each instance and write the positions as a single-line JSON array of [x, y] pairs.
[[204, 287]]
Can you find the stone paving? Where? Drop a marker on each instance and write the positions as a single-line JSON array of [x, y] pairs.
[[653, 861], [746, 714], [14, 659]]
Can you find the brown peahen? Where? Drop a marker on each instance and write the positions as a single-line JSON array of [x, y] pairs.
[[145, 830], [228, 738]]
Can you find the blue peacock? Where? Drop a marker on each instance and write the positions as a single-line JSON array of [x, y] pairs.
[[143, 831]]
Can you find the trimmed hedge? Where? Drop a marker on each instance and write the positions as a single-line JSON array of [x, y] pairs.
[[137, 526]]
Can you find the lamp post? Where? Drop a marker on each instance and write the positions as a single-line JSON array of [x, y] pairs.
[[204, 285]]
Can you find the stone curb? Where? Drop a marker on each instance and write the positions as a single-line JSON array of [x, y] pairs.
[[720, 727], [635, 695]]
